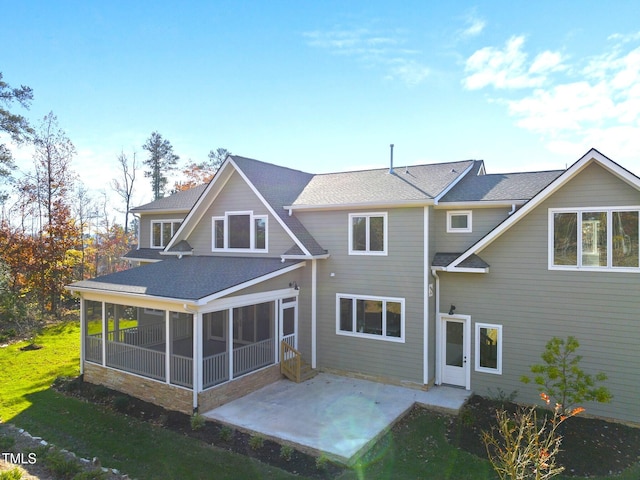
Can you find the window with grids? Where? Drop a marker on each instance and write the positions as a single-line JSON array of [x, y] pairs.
[[162, 231], [594, 239], [372, 317]]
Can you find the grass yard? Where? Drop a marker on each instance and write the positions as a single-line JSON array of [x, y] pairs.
[[132, 446], [416, 447]]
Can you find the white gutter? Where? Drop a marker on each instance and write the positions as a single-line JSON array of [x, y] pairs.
[[314, 320]]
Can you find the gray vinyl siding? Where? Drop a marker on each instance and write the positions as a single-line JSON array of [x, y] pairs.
[[533, 303], [145, 225], [483, 220], [399, 274], [238, 196]]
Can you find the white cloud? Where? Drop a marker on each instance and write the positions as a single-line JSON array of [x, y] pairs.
[[506, 68], [593, 102], [384, 50], [475, 27]]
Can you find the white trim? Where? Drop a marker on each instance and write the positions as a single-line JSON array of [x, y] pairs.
[[479, 204], [83, 333], [590, 157], [219, 180], [609, 211], [478, 367], [460, 213], [384, 300], [364, 205], [249, 299], [385, 232], [425, 286]]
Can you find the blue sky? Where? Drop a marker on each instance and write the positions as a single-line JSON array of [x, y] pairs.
[[327, 86]]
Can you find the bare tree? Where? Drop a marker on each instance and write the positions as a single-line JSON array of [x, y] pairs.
[[124, 186]]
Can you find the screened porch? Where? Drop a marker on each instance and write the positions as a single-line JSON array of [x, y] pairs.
[[162, 345]]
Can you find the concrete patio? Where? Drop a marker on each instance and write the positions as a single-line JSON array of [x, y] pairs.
[[339, 416]]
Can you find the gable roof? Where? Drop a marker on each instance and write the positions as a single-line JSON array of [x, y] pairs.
[[417, 184], [274, 185], [498, 187], [177, 202], [592, 156], [173, 279]]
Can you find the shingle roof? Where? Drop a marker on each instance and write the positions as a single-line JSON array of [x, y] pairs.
[[179, 201], [144, 254], [280, 186], [189, 278], [444, 259], [415, 183], [500, 186]]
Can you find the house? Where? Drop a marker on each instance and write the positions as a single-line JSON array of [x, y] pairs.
[[421, 275]]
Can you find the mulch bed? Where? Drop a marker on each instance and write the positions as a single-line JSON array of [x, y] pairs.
[[211, 432], [590, 447]]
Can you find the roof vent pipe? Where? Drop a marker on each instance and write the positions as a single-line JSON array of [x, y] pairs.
[[391, 166]]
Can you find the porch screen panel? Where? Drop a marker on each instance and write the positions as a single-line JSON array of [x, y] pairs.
[[93, 331], [215, 350], [254, 342]]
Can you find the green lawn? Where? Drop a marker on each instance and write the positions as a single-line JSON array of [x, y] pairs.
[[416, 449]]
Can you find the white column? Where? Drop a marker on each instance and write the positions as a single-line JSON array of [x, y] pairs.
[[83, 333], [105, 329], [230, 343], [197, 357], [314, 300], [167, 346]]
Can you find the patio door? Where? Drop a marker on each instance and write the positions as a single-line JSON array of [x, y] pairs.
[[289, 321], [455, 350]]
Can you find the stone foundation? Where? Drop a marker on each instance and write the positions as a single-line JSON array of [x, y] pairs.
[[167, 396], [227, 392], [176, 398]]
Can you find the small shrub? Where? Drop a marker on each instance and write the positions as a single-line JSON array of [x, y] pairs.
[[561, 377], [226, 433], [286, 452], [467, 417], [61, 466], [121, 403], [501, 396], [322, 463], [13, 474], [197, 421], [100, 392], [256, 442]]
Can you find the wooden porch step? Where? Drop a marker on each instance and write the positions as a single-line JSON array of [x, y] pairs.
[[306, 372]]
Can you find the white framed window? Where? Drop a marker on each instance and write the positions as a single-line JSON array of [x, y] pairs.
[[459, 221], [489, 348], [368, 233], [162, 231], [598, 239], [239, 231], [380, 318]]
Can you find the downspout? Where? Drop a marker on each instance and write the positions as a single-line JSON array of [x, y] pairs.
[[83, 329], [314, 325], [196, 361], [437, 342], [513, 209]]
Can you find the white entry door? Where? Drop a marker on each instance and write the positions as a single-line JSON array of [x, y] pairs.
[[455, 350]]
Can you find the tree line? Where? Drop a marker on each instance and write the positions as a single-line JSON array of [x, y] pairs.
[[53, 231]]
